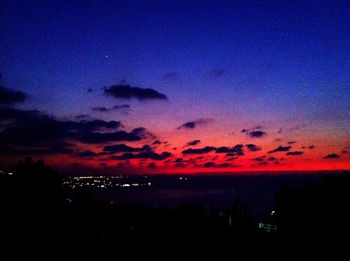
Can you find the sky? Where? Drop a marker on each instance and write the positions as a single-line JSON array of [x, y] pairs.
[[176, 86]]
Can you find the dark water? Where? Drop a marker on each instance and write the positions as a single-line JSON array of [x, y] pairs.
[[210, 190]]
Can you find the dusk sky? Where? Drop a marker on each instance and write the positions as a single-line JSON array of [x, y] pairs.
[[176, 86]]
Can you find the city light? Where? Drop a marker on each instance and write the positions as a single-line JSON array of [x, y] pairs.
[[106, 182]]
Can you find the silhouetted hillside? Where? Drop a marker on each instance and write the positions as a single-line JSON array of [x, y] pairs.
[[38, 218]]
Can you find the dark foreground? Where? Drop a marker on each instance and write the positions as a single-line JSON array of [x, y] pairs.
[[38, 220]]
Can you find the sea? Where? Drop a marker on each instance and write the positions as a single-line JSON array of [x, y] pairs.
[[256, 191]]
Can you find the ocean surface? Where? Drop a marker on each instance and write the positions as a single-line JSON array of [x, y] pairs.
[[256, 191]]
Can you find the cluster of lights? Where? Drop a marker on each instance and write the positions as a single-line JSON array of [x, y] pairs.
[[104, 182], [6, 173]]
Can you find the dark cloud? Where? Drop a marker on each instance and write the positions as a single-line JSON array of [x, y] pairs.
[[260, 159], [92, 125], [89, 90], [125, 148], [271, 159], [236, 150], [344, 151], [206, 149], [157, 142], [193, 143], [209, 164], [194, 124], [291, 142], [87, 154], [129, 92], [82, 116], [8, 96], [47, 149], [33, 128], [332, 156], [253, 147], [212, 164], [188, 125], [136, 134], [34, 133], [152, 165], [256, 134], [294, 153], [311, 147], [143, 155], [280, 148], [100, 109], [7, 113], [123, 108], [291, 129], [179, 165]]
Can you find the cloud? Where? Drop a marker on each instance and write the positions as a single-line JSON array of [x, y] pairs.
[[194, 124], [236, 150], [8, 97], [123, 108], [253, 147], [271, 159], [256, 134], [206, 149], [82, 116], [193, 143], [152, 165], [34, 133], [294, 153], [212, 164], [157, 142], [280, 148], [33, 128], [291, 142], [209, 164], [143, 155], [344, 152], [136, 134], [125, 148], [293, 128], [48, 149], [129, 92], [332, 156], [87, 154], [260, 159], [262, 163]]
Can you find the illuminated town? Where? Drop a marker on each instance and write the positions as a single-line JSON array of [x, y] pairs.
[[106, 182]]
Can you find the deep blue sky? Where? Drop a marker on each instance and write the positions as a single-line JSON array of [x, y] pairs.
[[238, 62]]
